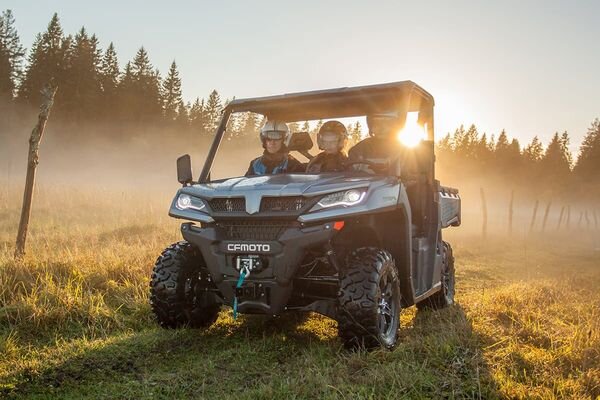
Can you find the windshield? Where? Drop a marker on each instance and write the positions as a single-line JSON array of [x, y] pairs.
[[242, 145]]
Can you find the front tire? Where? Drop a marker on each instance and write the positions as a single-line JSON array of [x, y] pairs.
[[369, 300], [179, 294]]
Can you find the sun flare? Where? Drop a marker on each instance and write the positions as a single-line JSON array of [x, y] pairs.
[[412, 134]]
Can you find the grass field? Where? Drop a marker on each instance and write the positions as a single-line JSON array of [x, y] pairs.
[[75, 321]]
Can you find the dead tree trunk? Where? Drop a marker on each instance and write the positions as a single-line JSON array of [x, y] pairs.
[[484, 212], [546, 216], [510, 212], [560, 217], [535, 208], [32, 161]]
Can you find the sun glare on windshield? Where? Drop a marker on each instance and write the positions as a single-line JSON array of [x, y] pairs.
[[412, 134]]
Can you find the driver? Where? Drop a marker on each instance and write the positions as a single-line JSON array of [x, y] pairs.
[[331, 139], [382, 141], [275, 159]]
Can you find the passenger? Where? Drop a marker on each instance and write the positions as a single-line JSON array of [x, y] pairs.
[[331, 139], [275, 159]]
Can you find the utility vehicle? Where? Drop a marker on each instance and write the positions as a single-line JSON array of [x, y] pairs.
[[355, 246]]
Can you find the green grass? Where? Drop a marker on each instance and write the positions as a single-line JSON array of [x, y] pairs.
[[75, 321]]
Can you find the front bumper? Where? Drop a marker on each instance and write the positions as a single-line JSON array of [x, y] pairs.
[[265, 291]]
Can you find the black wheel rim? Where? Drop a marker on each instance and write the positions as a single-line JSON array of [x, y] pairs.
[[387, 308]]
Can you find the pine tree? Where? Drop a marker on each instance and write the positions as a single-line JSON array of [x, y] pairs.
[[444, 145], [183, 114], [250, 125], [564, 146], [141, 66], [145, 89], [502, 143], [11, 55], [171, 93], [588, 162], [555, 163], [81, 91], [125, 94], [197, 116], [458, 138], [46, 63], [513, 156], [466, 146], [109, 81], [213, 112], [502, 153], [482, 151], [534, 151]]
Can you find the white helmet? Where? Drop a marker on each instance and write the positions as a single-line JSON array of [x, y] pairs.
[[277, 130]]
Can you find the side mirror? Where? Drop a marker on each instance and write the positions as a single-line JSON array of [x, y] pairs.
[[184, 170]]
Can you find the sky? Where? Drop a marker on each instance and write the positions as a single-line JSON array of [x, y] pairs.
[[530, 67]]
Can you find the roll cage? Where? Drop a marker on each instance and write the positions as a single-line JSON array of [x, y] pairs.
[[401, 97]]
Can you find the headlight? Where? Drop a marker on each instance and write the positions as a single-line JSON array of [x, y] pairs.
[[347, 198], [187, 202]]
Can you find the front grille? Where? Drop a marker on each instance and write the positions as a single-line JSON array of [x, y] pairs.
[[290, 203], [254, 230], [228, 205]]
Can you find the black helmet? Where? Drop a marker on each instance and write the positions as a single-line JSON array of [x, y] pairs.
[[332, 131]]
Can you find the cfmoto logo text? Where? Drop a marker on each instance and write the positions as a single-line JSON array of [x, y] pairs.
[[251, 247]]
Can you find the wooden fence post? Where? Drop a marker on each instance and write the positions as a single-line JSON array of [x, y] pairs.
[[32, 161], [546, 216], [484, 212], [510, 212], [560, 217], [535, 208]]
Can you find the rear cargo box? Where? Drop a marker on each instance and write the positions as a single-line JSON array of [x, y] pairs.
[[449, 207]]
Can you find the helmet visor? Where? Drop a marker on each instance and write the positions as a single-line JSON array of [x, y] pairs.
[[329, 141], [273, 135]]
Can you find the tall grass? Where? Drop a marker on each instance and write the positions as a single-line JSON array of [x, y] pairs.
[[75, 320]]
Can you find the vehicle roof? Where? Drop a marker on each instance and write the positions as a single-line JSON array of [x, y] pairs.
[[339, 102]]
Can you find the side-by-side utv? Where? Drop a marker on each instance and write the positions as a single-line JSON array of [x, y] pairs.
[[355, 245]]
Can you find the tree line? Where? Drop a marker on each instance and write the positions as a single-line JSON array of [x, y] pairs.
[[550, 170], [94, 88]]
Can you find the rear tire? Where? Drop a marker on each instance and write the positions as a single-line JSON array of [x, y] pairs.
[[369, 300], [445, 297], [178, 294]]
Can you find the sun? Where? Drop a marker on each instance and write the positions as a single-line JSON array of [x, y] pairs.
[[412, 134]]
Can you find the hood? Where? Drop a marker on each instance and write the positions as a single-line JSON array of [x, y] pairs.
[[281, 185]]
